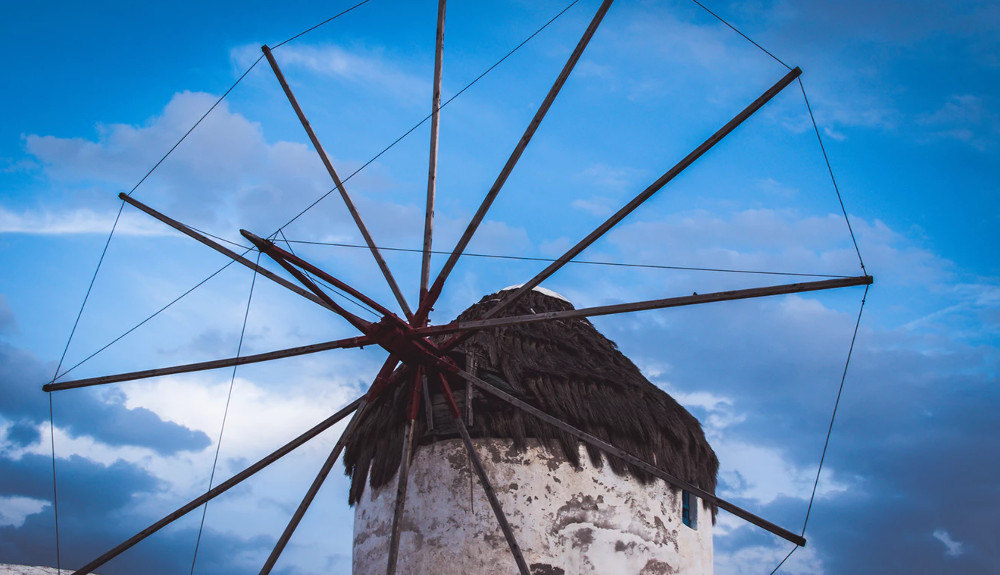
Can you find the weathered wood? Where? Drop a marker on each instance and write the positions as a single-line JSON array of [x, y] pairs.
[[397, 514], [425, 267], [338, 183], [484, 481], [214, 364], [325, 276], [468, 326], [649, 191], [404, 470], [470, 366], [268, 248], [435, 290], [221, 488], [624, 456], [310, 495], [220, 248]]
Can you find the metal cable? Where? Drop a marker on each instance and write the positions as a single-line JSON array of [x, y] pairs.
[[747, 38], [830, 170], [156, 313], [585, 262], [327, 285], [829, 431], [327, 21], [225, 415]]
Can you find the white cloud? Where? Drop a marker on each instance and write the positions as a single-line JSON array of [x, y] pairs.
[[369, 68], [952, 548], [966, 118], [78, 221], [754, 560], [15, 510]]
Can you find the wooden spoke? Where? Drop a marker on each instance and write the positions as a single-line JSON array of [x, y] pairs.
[[307, 500], [484, 481], [214, 364], [269, 249], [220, 248], [404, 471], [221, 488], [435, 290], [425, 268], [305, 265], [339, 184], [625, 456], [468, 326], [648, 192]]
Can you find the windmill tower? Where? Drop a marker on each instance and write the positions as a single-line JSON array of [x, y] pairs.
[[573, 509]]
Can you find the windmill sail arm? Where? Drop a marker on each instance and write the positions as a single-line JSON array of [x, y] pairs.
[[359, 341], [220, 248], [435, 289], [339, 184], [670, 174], [467, 326]]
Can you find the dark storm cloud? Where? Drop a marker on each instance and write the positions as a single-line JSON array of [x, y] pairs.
[[97, 511], [83, 412]]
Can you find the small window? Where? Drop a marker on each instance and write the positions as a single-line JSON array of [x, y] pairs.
[[689, 510]]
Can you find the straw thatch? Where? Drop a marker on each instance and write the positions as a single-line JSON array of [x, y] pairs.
[[565, 368]]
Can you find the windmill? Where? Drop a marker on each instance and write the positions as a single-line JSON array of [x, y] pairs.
[[420, 354]]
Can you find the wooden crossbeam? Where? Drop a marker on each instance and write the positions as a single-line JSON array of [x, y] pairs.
[[472, 325], [338, 183], [649, 191], [435, 290], [360, 341]]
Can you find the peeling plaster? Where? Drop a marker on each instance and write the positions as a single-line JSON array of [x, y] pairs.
[[566, 521]]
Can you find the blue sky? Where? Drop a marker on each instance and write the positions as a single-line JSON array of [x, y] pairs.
[[905, 94]]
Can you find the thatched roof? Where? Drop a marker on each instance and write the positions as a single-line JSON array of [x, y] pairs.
[[565, 368]]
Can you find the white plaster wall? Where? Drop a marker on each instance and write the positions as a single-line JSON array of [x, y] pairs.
[[8, 569], [566, 522]]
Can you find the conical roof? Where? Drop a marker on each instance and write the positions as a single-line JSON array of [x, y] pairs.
[[563, 367]]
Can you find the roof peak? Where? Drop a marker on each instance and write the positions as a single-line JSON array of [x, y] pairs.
[[541, 290]]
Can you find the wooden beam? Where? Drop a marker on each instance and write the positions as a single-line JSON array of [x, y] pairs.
[[404, 470], [629, 458], [435, 290], [397, 514], [466, 326], [316, 271], [338, 183], [425, 267], [484, 481], [220, 248], [649, 191], [269, 248], [221, 488], [214, 364], [307, 500]]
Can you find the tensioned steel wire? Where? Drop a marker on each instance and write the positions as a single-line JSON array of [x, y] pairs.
[[225, 416], [850, 351]]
